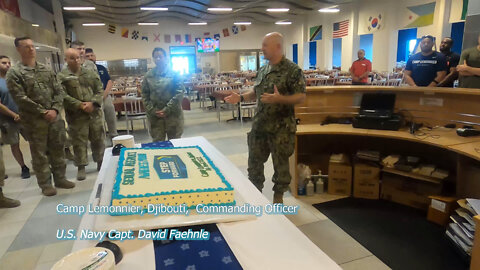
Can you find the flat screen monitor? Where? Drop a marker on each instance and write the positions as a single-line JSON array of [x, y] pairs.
[[208, 45]]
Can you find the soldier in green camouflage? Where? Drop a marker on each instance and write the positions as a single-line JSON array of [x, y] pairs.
[[83, 102], [86, 64], [162, 93], [39, 97], [278, 87]]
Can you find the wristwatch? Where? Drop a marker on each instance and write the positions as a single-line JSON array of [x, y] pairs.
[[242, 99], [435, 81]]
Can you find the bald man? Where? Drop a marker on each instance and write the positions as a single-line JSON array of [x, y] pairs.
[[278, 87], [83, 102]]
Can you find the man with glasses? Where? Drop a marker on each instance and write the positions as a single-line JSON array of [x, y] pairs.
[[39, 97], [426, 68]]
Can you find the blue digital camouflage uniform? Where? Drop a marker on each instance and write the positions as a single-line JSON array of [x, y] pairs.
[[36, 90], [163, 92], [83, 127], [274, 126]]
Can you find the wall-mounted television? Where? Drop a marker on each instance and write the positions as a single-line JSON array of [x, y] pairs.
[[208, 45]]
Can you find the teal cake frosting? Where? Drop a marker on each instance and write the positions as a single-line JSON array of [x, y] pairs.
[[118, 178]]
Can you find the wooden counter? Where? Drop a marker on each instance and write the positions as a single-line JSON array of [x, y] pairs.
[[433, 107]]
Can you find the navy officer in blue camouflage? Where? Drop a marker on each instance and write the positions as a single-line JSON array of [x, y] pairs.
[[278, 87]]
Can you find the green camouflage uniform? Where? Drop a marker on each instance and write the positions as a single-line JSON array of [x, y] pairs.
[[36, 90], [163, 92], [82, 126], [274, 126], [87, 64]]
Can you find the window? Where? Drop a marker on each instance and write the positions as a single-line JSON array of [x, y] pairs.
[[130, 63], [457, 36], [366, 43], [312, 54], [337, 53], [405, 37], [295, 53], [103, 63], [183, 59]]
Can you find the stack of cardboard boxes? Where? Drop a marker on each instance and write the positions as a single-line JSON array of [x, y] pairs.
[[365, 178], [365, 181]]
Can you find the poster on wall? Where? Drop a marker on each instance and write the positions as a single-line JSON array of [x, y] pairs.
[[419, 15], [10, 6], [316, 33], [458, 11], [374, 23]]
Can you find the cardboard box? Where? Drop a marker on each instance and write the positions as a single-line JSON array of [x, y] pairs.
[[440, 209], [366, 181], [406, 191], [340, 177]]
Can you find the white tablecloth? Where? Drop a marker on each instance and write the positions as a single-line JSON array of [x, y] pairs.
[[268, 242]]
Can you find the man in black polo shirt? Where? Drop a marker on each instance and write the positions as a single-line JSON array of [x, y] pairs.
[[452, 62], [108, 108], [426, 68]]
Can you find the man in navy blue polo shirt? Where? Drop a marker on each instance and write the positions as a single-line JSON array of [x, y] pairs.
[[108, 108], [426, 68]]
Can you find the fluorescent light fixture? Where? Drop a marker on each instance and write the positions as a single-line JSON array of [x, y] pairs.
[[278, 9], [242, 23], [93, 24], [148, 23], [79, 8], [219, 9], [154, 8], [329, 10], [35, 25], [37, 47], [197, 23], [283, 23]]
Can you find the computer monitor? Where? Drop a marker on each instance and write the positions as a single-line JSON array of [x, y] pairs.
[[378, 102]]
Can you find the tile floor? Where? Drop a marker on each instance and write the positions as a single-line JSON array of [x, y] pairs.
[[28, 233]]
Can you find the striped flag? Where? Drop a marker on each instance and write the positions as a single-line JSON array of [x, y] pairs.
[[167, 38], [340, 29], [125, 32], [178, 38], [112, 28], [188, 38]]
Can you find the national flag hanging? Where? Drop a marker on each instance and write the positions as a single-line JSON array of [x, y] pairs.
[[125, 32], [340, 29], [206, 34], [458, 11], [145, 37], [216, 36], [243, 27], [135, 34], [188, 38], [235, 29], [112, 28], [316, 33], [419, 15], [10, 6], [225, 32], [156, 37], [375, 23], [178, 38], [167, 38]]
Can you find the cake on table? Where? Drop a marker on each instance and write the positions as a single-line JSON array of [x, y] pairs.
[[170, 176]]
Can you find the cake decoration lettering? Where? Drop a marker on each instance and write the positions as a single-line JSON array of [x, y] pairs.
[[200, 163], [143, 169]]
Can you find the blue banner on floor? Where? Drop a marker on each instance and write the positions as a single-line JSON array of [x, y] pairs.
[[195, 254], [164, 144]]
